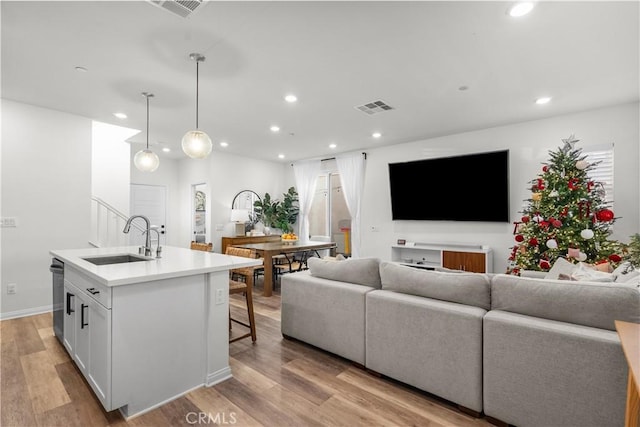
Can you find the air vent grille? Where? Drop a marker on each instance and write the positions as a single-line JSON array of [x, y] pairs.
[[374, 107], [181, 8]]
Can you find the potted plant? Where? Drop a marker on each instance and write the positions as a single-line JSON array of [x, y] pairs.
[[287, 211], [275, 213], [265, 211]]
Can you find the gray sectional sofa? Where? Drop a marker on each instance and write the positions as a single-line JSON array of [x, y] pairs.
[[525, 351]]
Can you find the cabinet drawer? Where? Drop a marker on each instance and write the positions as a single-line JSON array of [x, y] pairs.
[[89, 286]]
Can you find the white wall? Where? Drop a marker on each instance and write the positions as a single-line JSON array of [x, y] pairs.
[[226, 175], [528, 144], [110, 164], [46, 186]]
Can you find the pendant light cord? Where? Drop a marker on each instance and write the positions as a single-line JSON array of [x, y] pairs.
[[197, 91], [147, 96]]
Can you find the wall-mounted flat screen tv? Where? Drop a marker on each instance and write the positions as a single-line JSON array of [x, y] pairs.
[[472, 187]]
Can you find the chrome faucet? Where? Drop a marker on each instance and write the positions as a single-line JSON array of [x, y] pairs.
[[159, 248], [147, 245]]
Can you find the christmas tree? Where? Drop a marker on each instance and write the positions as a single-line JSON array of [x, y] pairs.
[[566, 216]]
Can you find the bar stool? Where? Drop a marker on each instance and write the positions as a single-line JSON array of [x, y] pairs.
[[244, 286]]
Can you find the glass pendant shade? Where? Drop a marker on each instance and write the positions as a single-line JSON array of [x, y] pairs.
[[146, 161], [196, 144]]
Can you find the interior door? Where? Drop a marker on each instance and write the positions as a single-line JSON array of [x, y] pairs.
[[150, 201]]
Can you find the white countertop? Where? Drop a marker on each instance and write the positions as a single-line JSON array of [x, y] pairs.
[[175, 262]]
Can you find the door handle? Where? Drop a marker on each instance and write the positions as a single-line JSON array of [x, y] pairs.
[[69, 309], [82, 324], [93, 291]]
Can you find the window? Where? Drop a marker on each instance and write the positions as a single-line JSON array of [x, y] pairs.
[[329, 217], [603, 172]]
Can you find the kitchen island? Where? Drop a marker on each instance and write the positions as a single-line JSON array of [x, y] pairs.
[[142, 330]]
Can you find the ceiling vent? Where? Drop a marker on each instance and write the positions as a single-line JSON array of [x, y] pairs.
[[374, 107], [181, 8]]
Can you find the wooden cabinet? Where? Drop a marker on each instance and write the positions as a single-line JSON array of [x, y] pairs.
[[473, 258], [467, 261], [240, 240]]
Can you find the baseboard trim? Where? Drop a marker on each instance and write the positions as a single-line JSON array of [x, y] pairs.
[[220, 375], [26, 312]]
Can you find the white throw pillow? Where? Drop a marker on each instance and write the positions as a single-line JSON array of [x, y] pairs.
[[587, 273], [625, 273], [561, 267]]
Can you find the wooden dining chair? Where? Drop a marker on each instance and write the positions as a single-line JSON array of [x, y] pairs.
[[208, 247], [241, 282]]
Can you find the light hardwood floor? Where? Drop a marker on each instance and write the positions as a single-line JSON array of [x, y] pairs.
[[276, 382]]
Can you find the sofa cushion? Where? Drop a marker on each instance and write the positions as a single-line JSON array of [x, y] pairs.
[[463, 288], [361, 271], [583, 303]]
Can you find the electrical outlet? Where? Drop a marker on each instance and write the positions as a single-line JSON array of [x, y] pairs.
[[8, 222], [219, 296], [11, 288]]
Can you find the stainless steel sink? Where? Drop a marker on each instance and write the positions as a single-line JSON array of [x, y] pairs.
[[116, 259]]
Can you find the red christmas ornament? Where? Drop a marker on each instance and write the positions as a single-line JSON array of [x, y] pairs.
[[573, 183], [540, 184], [615, 258], [545, 168], [590, 185], [604, 215], [519, 238], [544, 264], [556, 223], [525, 219], [533, 241], [544, 224]]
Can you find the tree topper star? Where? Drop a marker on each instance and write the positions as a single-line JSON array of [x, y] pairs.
[[569, 143]]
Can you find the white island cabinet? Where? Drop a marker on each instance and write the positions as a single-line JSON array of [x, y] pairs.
[[146, 332]]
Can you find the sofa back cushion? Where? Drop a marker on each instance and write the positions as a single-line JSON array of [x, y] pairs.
[[361, 271], [463, 288], [584, 303]]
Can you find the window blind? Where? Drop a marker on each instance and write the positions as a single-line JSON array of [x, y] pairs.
[[603, 171]]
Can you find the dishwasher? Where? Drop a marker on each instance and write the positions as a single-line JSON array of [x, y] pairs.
[[57, 268]]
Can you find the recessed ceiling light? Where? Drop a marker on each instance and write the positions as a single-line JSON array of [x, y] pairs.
[[166, 149], [224, 144], [543, 100], [120, 115], [332, 145], [81, 69], [520, 9], [376, 134], [275, 128], [291, 98], [281, 156]]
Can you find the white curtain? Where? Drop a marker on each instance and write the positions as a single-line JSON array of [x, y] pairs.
[[305, 173], [351, 170]]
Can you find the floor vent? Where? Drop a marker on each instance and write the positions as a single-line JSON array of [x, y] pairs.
[[374, 107], [181, 8]]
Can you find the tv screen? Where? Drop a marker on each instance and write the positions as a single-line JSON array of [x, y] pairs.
[[473, 187]]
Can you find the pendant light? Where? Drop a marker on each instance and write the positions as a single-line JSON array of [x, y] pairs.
[[146, 160], [195, 143]]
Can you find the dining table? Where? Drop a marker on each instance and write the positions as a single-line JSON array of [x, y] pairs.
[[268, 250]]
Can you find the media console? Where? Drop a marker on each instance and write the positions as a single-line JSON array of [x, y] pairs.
[[467, 257]]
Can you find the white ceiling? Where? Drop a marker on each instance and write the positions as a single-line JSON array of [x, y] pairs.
[[334, 55]]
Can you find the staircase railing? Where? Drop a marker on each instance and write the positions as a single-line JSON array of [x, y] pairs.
[[107, 224]]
